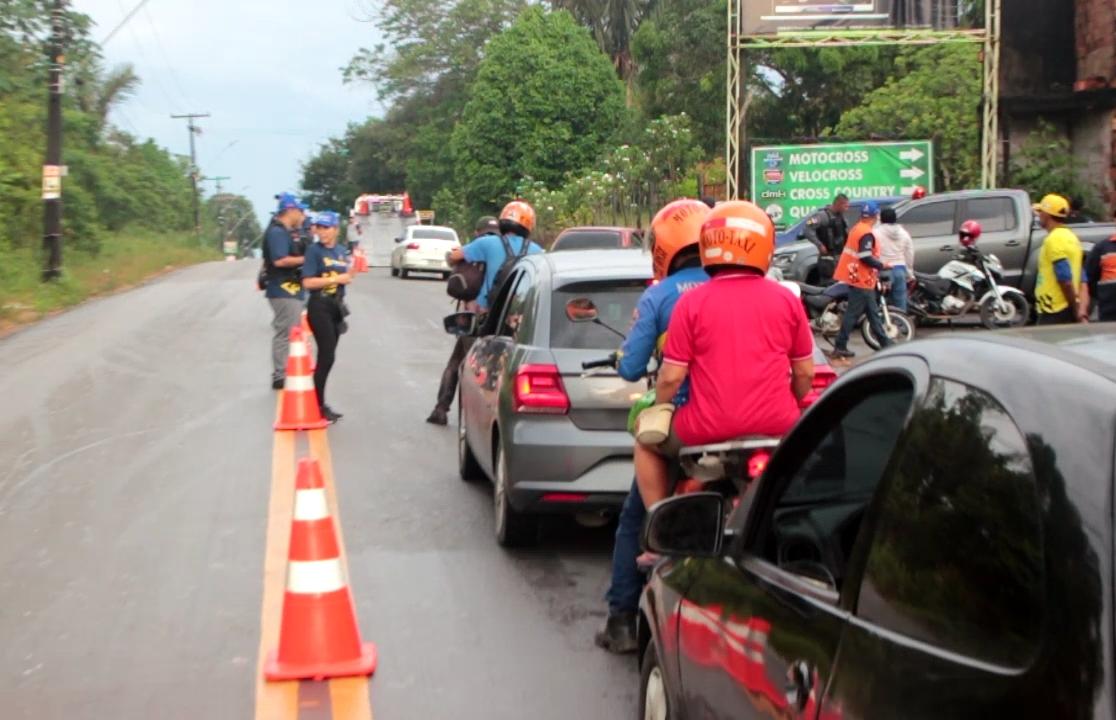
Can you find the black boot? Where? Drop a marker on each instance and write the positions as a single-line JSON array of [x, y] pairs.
[[618, 634], [438, 417]]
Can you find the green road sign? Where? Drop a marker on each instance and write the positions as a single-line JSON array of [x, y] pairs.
[[792, 181]]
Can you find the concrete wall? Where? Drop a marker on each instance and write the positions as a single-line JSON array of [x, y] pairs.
[[1096, 39], [1037, 53]]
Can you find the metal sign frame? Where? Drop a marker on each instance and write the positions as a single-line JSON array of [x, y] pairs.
[[736, 97]]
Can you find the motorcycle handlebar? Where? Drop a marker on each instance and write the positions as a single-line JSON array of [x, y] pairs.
[[609, 361]]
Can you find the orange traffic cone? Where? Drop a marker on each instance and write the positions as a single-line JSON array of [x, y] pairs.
[[363, 262], [299, 407], [318, 637]]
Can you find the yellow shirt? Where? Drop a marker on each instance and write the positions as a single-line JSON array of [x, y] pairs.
[[1060, 244]]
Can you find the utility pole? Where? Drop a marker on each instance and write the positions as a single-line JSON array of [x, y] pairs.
[[52, 168], [218, 180], [194, 130]]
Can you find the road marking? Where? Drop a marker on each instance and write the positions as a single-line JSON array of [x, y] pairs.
[[346, 698]]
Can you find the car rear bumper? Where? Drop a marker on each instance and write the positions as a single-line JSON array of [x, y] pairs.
[[413, 263], [556, 467]]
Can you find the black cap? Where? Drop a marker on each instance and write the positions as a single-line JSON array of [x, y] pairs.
[[487, 224]]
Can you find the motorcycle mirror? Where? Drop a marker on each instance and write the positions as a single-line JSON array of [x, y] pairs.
[[582, 310], [463, 324]]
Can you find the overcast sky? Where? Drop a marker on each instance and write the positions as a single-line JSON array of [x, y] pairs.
[[267, 71]]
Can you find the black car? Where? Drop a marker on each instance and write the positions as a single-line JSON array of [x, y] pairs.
[[934, 539]]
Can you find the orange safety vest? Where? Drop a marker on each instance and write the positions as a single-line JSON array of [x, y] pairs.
[[850, 270]]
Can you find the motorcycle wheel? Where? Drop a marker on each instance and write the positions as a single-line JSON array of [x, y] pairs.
[[902, 330], [1015, 313]]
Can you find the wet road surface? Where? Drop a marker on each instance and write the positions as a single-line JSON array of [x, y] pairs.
[[135, 473]]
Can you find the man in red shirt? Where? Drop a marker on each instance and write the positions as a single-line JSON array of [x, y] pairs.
[[743, 341]]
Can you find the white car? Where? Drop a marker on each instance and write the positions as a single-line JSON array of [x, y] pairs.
[[423, 248]]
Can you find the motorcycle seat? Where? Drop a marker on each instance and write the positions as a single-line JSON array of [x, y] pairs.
[[934, 284], [817, 302], [811, 289]]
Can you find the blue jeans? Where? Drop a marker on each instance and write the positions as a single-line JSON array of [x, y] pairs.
[[627, 581], [861, 302], [897, 297]]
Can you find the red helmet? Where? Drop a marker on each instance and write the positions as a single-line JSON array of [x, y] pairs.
[[970, 232], [919, 193]]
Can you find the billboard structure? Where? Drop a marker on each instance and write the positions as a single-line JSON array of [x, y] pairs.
[[821, 23]]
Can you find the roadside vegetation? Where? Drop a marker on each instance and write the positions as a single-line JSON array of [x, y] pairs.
[[127, 201], [488, 99]]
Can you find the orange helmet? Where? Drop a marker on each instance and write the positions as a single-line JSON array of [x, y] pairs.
[[675, 228], [520, 213], [738, 233]]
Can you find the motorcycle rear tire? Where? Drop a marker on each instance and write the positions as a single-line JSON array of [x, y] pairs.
[[905, 329], [994, 321]]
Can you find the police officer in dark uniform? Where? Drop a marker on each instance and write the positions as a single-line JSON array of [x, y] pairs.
[[828, 230]]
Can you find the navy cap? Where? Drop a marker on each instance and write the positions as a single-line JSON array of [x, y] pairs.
[[869, 209], [288, 201], [327, 218]]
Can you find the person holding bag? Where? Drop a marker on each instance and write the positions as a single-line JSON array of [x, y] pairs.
[[325, 273]]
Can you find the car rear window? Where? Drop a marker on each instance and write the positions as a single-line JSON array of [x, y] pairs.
[[616, 301], [433, 234], [588, 240]]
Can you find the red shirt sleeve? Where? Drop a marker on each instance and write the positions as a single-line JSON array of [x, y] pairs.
[[679, 348], [802, 340]]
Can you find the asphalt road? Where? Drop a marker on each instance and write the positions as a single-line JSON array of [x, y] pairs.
[[135, 451]]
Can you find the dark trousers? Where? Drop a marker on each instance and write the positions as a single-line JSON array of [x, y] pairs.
[[860, 302], [324, 316], [448, 387], [627, 581], [1065, 317]]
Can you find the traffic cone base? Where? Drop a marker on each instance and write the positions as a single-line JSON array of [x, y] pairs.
[[364, 665], [298, 408]]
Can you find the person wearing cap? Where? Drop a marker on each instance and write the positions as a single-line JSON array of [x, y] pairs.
[[1059, 264], [827, 230], [447, 389], [325, 275], [283, 256], [896, 251], [859, 268]]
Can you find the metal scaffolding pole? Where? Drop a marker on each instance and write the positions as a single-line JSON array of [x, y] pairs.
[[990, 128], [734, 110]]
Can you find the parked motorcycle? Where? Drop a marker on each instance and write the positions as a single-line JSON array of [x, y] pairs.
[[826, 306], [970, 282]]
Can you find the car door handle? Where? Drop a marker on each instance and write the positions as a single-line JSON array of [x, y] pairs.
[[1013, 243], [946, 248], [798, 684]]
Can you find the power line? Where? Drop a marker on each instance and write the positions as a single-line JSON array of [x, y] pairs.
[[124, 22], [163, 53]]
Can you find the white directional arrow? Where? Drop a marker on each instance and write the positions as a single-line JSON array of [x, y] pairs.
[[912, 155], [911, 173]]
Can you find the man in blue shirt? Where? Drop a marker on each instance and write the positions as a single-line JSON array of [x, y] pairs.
[[283, 258], [486, 226], [517, 220], [677, 269]]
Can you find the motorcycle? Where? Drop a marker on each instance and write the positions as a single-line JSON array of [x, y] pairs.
[[825, 307], [971, 281]]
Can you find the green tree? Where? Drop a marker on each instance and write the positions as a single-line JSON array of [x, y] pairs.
[[613, 24], [232, 217], [1046, 164], [681, 68], [933, 93], [544, 103]]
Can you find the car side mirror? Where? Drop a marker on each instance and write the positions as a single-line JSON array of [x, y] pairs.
[[691, 525], [462, 324], [582, 310]]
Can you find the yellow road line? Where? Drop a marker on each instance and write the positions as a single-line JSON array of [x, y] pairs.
[[348, 696], [276, 700]]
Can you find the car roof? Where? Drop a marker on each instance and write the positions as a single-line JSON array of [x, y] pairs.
[[597, 228], [610, 264], [416, 226]]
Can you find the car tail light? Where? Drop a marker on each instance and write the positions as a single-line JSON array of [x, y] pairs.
[[559, 497], [413, 246], [538, 389], [758, 463]]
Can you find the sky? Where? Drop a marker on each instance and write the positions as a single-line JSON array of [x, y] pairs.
[[269, 74]]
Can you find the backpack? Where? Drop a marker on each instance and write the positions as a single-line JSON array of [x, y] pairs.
[[466, 281], [510, 260]]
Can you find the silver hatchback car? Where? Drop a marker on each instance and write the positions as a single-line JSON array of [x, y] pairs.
[[550, 440]]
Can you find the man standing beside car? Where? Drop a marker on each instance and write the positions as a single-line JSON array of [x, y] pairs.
[[283, 257], [828, 231], [486, 226], [1059, 264], [517, 220]]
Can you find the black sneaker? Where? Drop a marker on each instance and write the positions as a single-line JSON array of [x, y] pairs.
[[618, 634], [438, 417], [330, 415], [277, 383], [842, 354]]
